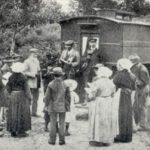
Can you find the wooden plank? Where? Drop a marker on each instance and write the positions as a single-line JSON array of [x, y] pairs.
[[136, 43]]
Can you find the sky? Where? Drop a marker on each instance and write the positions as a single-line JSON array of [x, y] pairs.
[[65, 4]]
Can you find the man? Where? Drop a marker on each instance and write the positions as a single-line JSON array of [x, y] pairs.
[[92, 58], [70, 59], [32, 71], [88, 67], [142, 91]]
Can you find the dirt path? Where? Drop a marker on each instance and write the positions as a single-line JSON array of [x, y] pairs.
[[38, 139], [78, 140]]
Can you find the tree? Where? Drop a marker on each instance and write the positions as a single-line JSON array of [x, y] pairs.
[[140, 7], [108, 4], [15, 15], [51, 11], [88, 5], [75, 9]]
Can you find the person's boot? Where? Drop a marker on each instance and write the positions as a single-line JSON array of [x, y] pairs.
[[46, 127], [67, 130], [13, 134], [47, 120]]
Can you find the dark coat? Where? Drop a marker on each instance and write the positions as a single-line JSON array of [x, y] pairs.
[[3, 93], [126, 82], [57, 97], [18, 118]]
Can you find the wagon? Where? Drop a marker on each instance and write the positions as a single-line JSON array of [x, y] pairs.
[[118, 34]]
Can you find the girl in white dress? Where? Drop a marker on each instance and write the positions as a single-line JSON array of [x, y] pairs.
[[70, 116]]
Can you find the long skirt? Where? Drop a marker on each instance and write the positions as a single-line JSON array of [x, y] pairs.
[[139, 106], [70, 116], [101, 123], [19, 119], [125, 115]]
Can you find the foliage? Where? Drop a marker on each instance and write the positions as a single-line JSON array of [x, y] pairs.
[[51, 11], [110, 4], [75, 9], [140, 7], [88, 5], [25, 23], [45, 37]]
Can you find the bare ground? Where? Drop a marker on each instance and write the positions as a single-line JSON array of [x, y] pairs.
[[38, 139]]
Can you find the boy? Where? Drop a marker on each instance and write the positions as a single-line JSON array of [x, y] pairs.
[[57, 100]]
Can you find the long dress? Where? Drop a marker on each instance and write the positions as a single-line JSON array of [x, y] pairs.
[[101, 122], [70, 116], [126, 82], [19, 119]]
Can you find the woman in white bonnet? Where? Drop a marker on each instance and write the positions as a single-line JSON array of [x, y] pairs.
[[18, 118], [125, 81], [101, 132]]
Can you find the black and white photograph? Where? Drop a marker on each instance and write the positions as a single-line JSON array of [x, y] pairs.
[[74, 74]]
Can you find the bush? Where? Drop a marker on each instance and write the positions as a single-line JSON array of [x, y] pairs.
[[45, 37]]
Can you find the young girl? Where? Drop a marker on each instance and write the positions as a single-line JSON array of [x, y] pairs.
[[72, 85]]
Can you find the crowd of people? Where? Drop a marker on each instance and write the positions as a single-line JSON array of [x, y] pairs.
[[117, 101]]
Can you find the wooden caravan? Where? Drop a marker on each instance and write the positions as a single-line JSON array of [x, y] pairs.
[[116, 36]]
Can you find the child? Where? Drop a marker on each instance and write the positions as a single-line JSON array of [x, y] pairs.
[[72, 85], [57, 100]]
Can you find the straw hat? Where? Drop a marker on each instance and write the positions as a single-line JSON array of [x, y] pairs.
[[124, 63], [93, 40], [104, 72], [72, 84], [18, 67]]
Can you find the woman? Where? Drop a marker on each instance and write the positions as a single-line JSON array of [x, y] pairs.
[[101, 132], [125, 81], [19, 119]]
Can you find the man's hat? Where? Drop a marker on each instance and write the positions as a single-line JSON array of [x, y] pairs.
[[69, 42], [93, 40], [34, 50], [58, 71], [134, 58]]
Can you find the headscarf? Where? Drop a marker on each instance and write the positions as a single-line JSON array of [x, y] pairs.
[[124, 63], [104, 72]]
